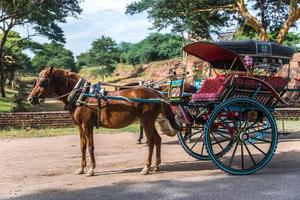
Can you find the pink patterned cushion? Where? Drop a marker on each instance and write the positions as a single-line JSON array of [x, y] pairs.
[[211, 89]]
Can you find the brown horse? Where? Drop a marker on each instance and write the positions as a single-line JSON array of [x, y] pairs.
[[114, 113]]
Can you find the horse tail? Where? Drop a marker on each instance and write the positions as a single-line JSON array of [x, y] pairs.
[[166, 110], [168, 113]]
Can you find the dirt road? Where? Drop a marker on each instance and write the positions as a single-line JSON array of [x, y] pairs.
[[42, 168]]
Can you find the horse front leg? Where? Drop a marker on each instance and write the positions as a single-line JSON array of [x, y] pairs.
[[90, 141], [149, 134], [83, 152]]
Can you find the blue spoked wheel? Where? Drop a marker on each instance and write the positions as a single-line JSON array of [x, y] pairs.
[[192, 141], [251, 131]]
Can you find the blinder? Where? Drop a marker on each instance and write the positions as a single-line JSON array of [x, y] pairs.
[[43, 82]]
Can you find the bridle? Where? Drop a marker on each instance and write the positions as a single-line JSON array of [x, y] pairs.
[[44, 83]]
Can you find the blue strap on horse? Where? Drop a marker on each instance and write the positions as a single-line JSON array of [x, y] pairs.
[[99, 94]]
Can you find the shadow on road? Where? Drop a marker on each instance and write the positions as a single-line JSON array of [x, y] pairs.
[[259, 186]]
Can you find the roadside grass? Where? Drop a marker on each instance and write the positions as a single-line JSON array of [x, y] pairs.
[[27, 79], [38, 133], [6, 104], [290, 125]]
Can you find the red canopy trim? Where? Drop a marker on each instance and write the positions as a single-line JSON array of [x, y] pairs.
[[217, 56]]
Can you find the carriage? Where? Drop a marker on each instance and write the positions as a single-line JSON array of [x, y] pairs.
[[230, 118]]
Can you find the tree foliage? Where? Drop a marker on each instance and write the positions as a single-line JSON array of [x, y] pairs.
[[184, 15], [44, 16], [15, 59], [201, 18], [53, 54], [155, 47], [104, 53]]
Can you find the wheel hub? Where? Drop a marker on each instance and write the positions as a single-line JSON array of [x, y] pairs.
[[244, 136]]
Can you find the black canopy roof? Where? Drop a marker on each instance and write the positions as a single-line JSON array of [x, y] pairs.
[[222, 54]]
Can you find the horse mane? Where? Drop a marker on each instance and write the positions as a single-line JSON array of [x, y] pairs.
[[66, 73]]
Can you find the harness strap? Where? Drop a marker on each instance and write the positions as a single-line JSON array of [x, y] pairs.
[[75, 94], [98, 125]]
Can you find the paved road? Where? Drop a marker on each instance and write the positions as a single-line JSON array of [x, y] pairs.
[[264, 186], [30, 170]]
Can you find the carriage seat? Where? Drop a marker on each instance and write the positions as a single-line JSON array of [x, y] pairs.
[[278, 83], [211, 89]]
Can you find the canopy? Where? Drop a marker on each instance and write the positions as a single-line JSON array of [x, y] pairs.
[[222, 54]]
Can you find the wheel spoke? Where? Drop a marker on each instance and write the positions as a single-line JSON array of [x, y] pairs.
[[242, 155], [246, 123], [202, 148], [196, 142], [221, 141], [190, 135], [217, 141], [257, 148], [228, 126], [261, 139], [233, 153], [251, 126], [220, 134], [250, 154]]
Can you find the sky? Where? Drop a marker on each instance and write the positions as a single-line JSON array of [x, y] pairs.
[[100, 17]]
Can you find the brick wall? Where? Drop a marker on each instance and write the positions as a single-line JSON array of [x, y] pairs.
[[35, 120]]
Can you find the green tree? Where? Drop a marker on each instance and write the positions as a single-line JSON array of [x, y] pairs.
[[53, 54], [14, 58], [44, 16], [155, 47], [104, 54], [200, 18]]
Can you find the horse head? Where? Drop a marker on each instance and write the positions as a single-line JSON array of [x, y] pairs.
[[52, 81]]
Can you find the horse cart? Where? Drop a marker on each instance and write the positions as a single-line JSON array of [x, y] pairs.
[[230, 118]]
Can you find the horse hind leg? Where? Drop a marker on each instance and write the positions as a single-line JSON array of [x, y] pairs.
[[83, 152], [157, 140]]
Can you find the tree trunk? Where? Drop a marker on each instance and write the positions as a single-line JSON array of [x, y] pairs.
[[2, 78], [11, 78], [252, 21], [294, 15]]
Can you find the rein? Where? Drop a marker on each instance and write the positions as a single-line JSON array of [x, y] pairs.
[[105, 84]]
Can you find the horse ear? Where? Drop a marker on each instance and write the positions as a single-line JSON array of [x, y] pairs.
[[51, 70]]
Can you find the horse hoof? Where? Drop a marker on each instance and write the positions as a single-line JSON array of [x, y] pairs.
[[79, 171], [90, 173], [145, 171], [155, 169]]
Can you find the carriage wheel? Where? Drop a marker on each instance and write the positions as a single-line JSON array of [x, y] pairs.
[[249, 127], [192, 141]]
